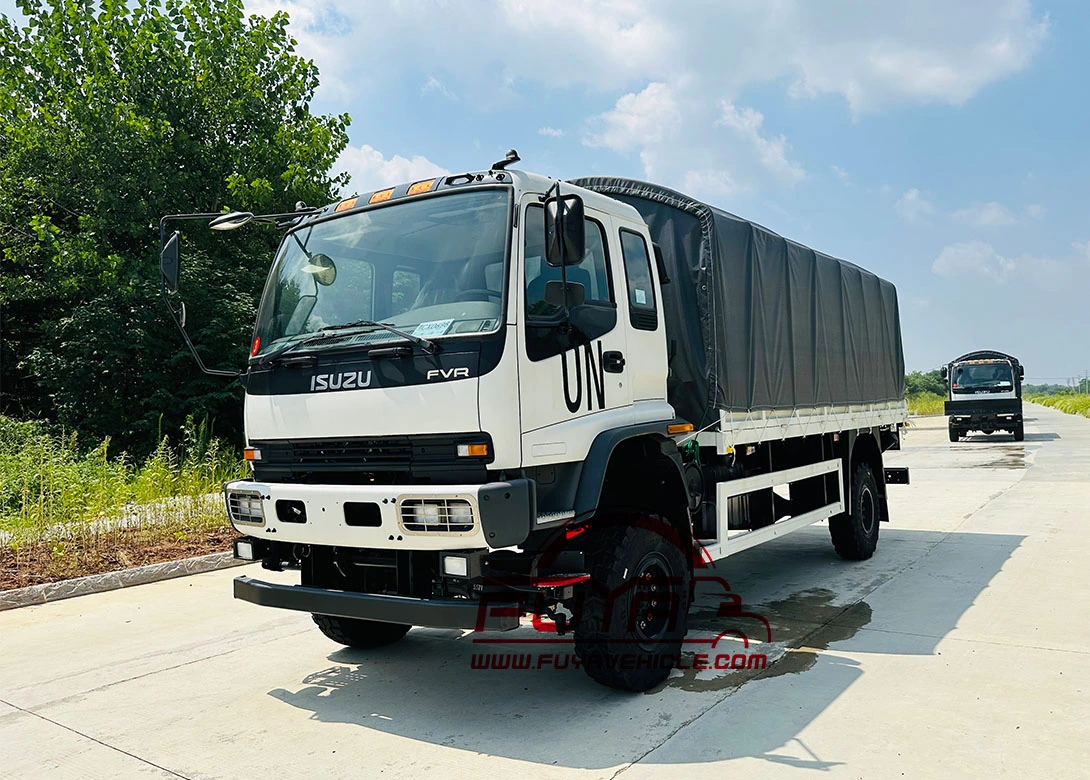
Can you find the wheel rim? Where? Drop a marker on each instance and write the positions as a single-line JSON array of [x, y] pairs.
[[867, 513], [651, 596]]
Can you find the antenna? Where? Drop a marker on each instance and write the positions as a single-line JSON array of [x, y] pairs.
[[510, 158]]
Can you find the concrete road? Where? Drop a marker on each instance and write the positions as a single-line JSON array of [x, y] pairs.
[[962, 649]]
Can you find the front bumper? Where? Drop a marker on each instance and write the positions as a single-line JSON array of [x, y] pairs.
[[503, 514], [437, 613]]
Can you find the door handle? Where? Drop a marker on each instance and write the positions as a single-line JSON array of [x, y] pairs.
[[613, 362]]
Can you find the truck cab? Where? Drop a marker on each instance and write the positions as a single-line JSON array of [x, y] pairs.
[[985, 394]]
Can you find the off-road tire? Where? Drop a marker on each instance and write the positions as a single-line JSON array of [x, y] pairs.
[[855, 533], [632, 655], [361, 634], [1019, 432]]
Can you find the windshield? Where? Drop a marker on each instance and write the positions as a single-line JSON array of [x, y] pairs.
[[983, 375], [432, 267]]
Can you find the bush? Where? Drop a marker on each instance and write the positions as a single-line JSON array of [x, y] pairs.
[[926, 403], [47, 479], [1072, 403]]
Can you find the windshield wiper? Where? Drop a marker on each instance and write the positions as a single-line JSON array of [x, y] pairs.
[[425, 344], [333, 331]]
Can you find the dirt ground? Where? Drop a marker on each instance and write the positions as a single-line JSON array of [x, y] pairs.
[[45, 561]]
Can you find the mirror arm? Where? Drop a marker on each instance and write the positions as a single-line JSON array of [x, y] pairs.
[[189, 342], [166, 299]]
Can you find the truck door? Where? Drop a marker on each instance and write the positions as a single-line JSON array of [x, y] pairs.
[[571, 386]]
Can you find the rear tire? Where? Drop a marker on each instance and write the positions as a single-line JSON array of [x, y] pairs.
[[361, 634], [619, 643], [855, 533], [1020, 432], [955, 434]]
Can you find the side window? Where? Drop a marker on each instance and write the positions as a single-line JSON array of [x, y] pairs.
[[406, 286], [598, 314], [641, 290]]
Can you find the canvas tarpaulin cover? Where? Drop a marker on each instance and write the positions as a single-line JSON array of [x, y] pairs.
[[757, 322]]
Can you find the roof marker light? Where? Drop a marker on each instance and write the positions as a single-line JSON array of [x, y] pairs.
[[381, 196]]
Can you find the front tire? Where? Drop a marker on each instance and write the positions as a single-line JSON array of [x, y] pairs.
[[855, 533], [955, 434], [361, 634], [634, 611], [1020, 432]]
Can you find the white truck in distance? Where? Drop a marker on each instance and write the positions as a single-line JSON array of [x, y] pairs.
[[491, 395], [985, 394]]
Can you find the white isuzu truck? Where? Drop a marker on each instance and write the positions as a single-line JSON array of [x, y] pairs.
[[985, 394], [490, 395]]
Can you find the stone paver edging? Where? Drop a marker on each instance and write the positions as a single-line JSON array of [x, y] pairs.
[[98, 583]]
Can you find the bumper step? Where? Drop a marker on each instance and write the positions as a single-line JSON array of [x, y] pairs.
[[435, 613]]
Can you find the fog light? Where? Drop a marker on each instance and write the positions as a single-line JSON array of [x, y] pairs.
[[244, 550], [455, 566]]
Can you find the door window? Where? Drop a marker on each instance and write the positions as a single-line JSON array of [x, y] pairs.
[[641, 291], [545, 321]]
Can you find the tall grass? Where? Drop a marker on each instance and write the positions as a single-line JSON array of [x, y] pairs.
[[48, 481], [926, 403], [1072, 403]]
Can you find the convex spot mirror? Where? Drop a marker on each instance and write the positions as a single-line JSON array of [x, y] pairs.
[[565, 231], [169, 263], [322, 268], [945, 372]]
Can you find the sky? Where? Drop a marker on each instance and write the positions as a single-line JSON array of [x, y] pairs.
[[942, 145]]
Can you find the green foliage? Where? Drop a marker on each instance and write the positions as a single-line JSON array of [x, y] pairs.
[[47, 480], [112, 114], [917, 382], [1072, 403], [1048, 390], [926, 403]]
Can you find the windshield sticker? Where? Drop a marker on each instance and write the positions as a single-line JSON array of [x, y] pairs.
[[641, 296], [434, 328]]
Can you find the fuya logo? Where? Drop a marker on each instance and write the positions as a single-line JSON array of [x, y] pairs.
[[448, 373], [346, 380]]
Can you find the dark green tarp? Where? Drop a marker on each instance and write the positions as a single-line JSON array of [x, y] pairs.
[[755, 321]]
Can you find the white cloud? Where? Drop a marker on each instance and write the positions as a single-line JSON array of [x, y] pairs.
[[985, 215], [436, 86], [711, 183], [550, 132], [913, 206], [1083, 248], [973, 258], [980, 259], [873, 55], [1036, 211], [370, 170], [841, 174], [638, 119], [771, 152]]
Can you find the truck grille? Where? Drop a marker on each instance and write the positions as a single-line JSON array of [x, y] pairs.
[[290, 458], [437, 515]]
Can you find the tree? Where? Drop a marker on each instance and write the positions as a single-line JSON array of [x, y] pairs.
[[113, 113], [925, 382]]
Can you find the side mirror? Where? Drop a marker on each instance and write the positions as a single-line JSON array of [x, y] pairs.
[[664, 278], [1021, 372], [169, 263], [565, 231], [945, 372], [556, 292]]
